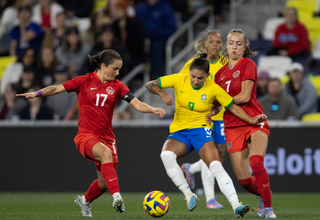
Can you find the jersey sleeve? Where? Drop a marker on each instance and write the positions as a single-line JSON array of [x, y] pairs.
[[250, 71], [216, 77], [123, 89], [186, 68], [75, 84], [223, 97], [169, 81]]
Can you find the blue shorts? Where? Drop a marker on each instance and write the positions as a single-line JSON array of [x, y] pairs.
[[218, 132], [193, 138]]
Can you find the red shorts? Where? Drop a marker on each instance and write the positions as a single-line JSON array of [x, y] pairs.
[[237, 137], [85, 143]]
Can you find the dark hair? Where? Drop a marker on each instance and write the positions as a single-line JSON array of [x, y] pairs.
[[201, 63], [66, 45], [247, 53], [107, 57]]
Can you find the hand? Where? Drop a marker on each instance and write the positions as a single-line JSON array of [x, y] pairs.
[[167, 98], [28, 95], [258, 119], [208, 117], [159, 111], [283, 52]]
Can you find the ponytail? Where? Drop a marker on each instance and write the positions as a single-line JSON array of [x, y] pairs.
[[95, 61], [201, 63], [107, 57]]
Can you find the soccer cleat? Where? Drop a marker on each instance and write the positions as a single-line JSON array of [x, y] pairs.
[[268, 213], [260, 208], [241, 210], [189, 176], [85, 208], [118, 204], [192, 203], [214, 204]]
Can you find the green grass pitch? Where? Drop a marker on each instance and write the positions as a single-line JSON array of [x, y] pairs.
[[20, 206]]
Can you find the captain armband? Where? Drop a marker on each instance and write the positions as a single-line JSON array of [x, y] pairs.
[[128, 97]]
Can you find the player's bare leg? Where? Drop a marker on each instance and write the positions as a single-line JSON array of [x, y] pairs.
[[210, 155], [103, 154], [173, 149]]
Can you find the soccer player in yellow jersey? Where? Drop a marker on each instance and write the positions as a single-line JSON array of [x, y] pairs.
[[212, 43], [190, 128]]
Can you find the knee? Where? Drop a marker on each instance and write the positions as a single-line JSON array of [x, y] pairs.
[[105, 155], [215, 165], [168, 155], [256, 163]]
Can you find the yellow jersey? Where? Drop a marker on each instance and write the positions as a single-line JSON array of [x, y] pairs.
[[214, 67], [192, 105]]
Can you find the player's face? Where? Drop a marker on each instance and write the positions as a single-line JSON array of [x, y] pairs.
[[213, 44], [112, 71], [236, 45], [197, 78]]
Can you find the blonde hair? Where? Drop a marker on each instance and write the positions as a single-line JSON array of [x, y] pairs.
[[199, 46], [247, 52]]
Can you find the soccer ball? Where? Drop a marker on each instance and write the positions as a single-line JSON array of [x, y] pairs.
[[156, 204]]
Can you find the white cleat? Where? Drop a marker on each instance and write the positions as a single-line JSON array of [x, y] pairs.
[[85, 207], [118, 204]]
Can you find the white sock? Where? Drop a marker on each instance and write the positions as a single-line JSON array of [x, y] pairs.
[[225, 183], [84, 201], [116, 195], [207, 182], [169, 160], [196, 167]]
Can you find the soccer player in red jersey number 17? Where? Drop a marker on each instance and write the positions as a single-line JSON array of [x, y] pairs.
[[97, 95], [246, 144]]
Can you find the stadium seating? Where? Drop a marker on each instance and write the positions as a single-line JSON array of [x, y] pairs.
[[270, 27], [316, 51], [311, 117], [277, 66], [305, 5], [4, 63]]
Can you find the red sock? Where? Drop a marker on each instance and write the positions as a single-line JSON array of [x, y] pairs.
[[94, 191], [110, 177], [250, 185], [262, 178]]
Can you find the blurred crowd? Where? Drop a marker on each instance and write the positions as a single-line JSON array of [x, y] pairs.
[[294, 92], [51, 40]]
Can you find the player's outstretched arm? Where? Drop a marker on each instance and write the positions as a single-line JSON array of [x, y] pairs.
[[144, 108], [47, 91], [153, 87], [237, 111]]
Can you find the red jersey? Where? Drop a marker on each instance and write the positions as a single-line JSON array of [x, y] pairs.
[[230, 80], [96, 103], [295, 40]]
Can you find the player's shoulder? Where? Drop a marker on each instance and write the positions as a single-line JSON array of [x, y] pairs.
[[248, 62]]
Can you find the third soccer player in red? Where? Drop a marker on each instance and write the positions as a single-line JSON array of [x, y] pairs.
[[246, 144], [97, 94]]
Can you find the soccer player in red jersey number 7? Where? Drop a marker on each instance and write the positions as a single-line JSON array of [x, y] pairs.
[[97, 94], [246, 143]]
